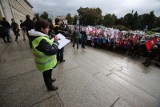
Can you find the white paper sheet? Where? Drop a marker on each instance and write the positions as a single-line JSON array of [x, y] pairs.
[[62, 41]]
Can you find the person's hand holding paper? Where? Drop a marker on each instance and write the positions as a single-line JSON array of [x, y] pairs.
[[56, 38], [61, 40]]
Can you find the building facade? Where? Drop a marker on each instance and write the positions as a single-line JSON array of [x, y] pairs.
[[16, 9]]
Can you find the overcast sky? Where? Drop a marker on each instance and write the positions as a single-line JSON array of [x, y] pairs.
[[118, 7]]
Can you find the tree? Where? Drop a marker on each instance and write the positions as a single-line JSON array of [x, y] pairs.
[[128, 20], [114, 18], [151, 20], [157, 22], [44, 15], [147, 21], [119, 21], [109, 20], [75, 18], [69, 18], [135, 21], [90, 16], [36, 15]]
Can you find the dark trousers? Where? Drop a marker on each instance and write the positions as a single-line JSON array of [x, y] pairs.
[[148, 59], [47, 78], [83, 44], [89, 42], [77, 42], [60, 54], [16, 33], [29, 38], [6, 34]]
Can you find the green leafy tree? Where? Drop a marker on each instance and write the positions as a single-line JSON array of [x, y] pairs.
[[135, 21], [151, 20], [69, 18], [119, 21], [90, 16], [157, 22], [44, 15], [36, 15], [109, 20], [75, 18], [128, 20], [147, 20]]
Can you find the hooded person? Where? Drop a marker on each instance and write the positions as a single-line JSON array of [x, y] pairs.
[[44, 51]]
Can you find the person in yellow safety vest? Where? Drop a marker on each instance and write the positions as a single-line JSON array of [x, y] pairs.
[[44, 51]]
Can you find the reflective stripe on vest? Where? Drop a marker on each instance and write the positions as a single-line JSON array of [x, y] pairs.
[[43, 63], [40, 56]]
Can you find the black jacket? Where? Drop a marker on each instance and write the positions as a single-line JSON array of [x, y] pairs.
[[58, 29], [5, 24], [29, 24]]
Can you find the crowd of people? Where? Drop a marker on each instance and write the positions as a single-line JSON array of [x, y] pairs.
[[134, 45], [6, 27]]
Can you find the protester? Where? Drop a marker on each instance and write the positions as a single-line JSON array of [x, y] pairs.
[[5, 28], [58, 28], [51, 32], [83, 39], [15, 29], [89, 39], [2, 34], [28, 24], [23, 29], [76, 36], [44, 51], [151, 54]]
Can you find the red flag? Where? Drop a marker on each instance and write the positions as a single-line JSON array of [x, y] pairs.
[[150, 43], [135, 38]]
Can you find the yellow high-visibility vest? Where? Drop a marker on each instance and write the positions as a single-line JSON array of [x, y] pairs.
[[43, 62]]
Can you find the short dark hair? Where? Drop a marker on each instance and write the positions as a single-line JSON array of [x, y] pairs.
[[27, 16], [42, 23], [57, 20]]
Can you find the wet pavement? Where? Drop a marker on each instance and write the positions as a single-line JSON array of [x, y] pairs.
[[89, 78]]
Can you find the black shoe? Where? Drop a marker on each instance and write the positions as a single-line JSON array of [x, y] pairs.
[[144, 63], [54, 88], [147, 65], [63, 61], [53, 80]]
